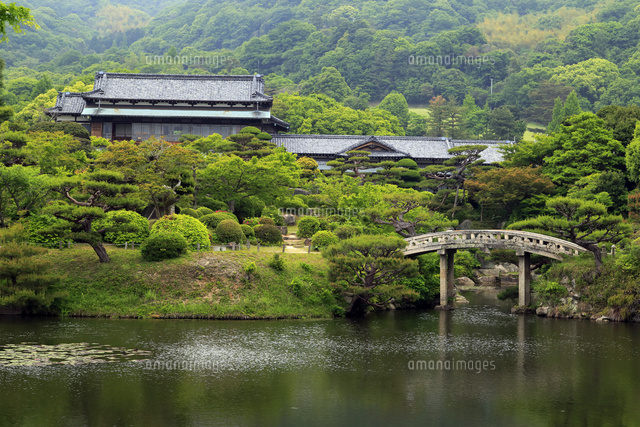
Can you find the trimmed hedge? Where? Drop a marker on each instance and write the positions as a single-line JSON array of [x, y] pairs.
[[229, 231], [308, 226], [268, 234], [187, 226], [124, 226], [163, 245]]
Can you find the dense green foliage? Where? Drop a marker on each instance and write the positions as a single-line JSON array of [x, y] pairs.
[[229, 231], [213, 219], [324, 238], [188, 227], [164, 245], [308, 226], [123, 226], [268, 234], [481, 69]]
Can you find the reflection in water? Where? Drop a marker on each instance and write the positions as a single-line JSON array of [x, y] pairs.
[[386, 369]]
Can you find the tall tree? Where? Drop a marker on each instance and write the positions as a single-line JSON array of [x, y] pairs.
[[396, 104], [503, 125], [436, 122], [557, 116], [232, 180], [583, 146], [572, 105]]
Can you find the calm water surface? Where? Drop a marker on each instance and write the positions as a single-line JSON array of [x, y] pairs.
[[388, 369]]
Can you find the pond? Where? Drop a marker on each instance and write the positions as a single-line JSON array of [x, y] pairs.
[[477, 365]]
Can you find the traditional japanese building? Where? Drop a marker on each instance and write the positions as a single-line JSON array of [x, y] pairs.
[[139, 106], [423, 150], [125, 106]]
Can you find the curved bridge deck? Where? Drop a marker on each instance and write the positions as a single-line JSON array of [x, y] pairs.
[[523, 242], [551, 247]]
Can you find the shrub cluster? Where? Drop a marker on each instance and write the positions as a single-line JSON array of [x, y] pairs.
[[213, 219], [163, 245], [188, 227]]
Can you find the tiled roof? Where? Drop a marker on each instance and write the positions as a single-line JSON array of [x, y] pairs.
[[178, 87], [68, 103], [401, 146]]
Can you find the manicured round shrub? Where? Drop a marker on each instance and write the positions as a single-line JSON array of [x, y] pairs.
[[212, 220], [247, 230], [123, 226], [308, 226], [191, 212], [250, 129], [322, 239], [187, 226], [163, 245], [203, 210], [229, 231], [407, 163], [268, 234], [264, 220]]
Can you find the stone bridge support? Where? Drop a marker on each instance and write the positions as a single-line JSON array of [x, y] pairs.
[[446, 277], [524, 278]]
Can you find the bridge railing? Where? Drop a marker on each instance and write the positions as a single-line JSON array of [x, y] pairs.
[[492, 238]]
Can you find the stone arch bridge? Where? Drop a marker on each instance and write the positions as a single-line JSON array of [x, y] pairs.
[[446, 243]]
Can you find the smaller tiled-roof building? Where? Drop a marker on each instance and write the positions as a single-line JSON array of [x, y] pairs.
[[423, 150], [138, 106]]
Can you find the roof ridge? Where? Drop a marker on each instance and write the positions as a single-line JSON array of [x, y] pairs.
[[180, 76]]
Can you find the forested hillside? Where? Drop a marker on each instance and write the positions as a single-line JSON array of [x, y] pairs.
[[522, 56]]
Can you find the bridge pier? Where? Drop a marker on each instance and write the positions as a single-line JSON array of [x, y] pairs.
[[446, 277], [524, 278]]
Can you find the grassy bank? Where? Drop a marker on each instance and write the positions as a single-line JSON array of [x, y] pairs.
[[198, 285]]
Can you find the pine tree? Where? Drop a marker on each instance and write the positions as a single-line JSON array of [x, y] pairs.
[[558, 116], [572, 105]]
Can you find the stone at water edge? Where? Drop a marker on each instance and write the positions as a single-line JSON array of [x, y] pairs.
[[488, 280], [464, 281]]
